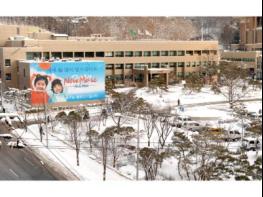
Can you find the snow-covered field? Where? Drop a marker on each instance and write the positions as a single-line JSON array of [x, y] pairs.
[[167, 99]]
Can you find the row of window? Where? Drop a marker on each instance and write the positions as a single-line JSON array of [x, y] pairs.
[[240, 59], [155, 65], [46, 55]]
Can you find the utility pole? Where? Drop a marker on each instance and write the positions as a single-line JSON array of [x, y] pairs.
[[202, 31], [45, 112], [138, 149]]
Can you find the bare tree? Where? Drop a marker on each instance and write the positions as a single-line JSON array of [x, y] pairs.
[[73, 120], [91, 133], [184, 154], [164, 128], [149, 162], [105, 137], [233, 83], [149, 120]]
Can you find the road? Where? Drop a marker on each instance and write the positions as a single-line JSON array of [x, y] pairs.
[[21, 164]]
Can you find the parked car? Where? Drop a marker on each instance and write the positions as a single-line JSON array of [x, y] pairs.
[[184, 118], [193, 126], [16, 144], [180, 120], [232, 135], [251, 144], [254, 115], [6, 136]]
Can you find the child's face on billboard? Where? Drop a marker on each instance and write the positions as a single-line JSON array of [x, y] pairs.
[[40, 85], [58, 89]]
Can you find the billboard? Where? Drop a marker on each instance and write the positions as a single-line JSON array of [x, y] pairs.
[[72, 81]]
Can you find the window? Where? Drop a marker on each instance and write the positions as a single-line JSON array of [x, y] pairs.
[[180, 53], [79, 54], [56, 55], [155, 53], [139, 78], [118, 66], [128, 77], [128, 66], [89, 54], [172, 53], [109, 77], [109, 54], [164, 65], [179, 74], [197, 52], [8, 76], [189, 52], [46, 55], [24, 72], [187, 64], [109, 66], [172, 65], [100, 54], [139, 65], [155, 65], [193, 64], [119, 54], [206, 52], [164, 53], [119, 77], [33, 55], [147, 53], [7, 62], [180, 64], [214, 52], [67, 54], [128, 53], [137, 53]]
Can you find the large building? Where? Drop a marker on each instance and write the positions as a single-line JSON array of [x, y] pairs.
[[248, 53], [127, 62], [250, 60], [250, 32]]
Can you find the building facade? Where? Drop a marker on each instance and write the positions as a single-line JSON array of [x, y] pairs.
[[250, 60], [250, 32], [127, 62]]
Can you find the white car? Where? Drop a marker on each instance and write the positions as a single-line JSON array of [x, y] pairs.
[[6, 136], [252, 144], [184, 118], [232, 135], [192, 126], [180, 120], [15, 144], [254, 115]]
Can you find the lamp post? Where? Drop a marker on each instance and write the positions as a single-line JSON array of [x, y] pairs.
[[1, 93]]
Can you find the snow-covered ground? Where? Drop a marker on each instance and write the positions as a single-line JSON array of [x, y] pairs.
[[61, 151], [63, 154], [166, 99]]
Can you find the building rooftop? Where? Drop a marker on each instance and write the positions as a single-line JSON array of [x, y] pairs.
[[57, 61]]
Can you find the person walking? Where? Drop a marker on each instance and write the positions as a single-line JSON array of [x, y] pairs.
[[178, 102]]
